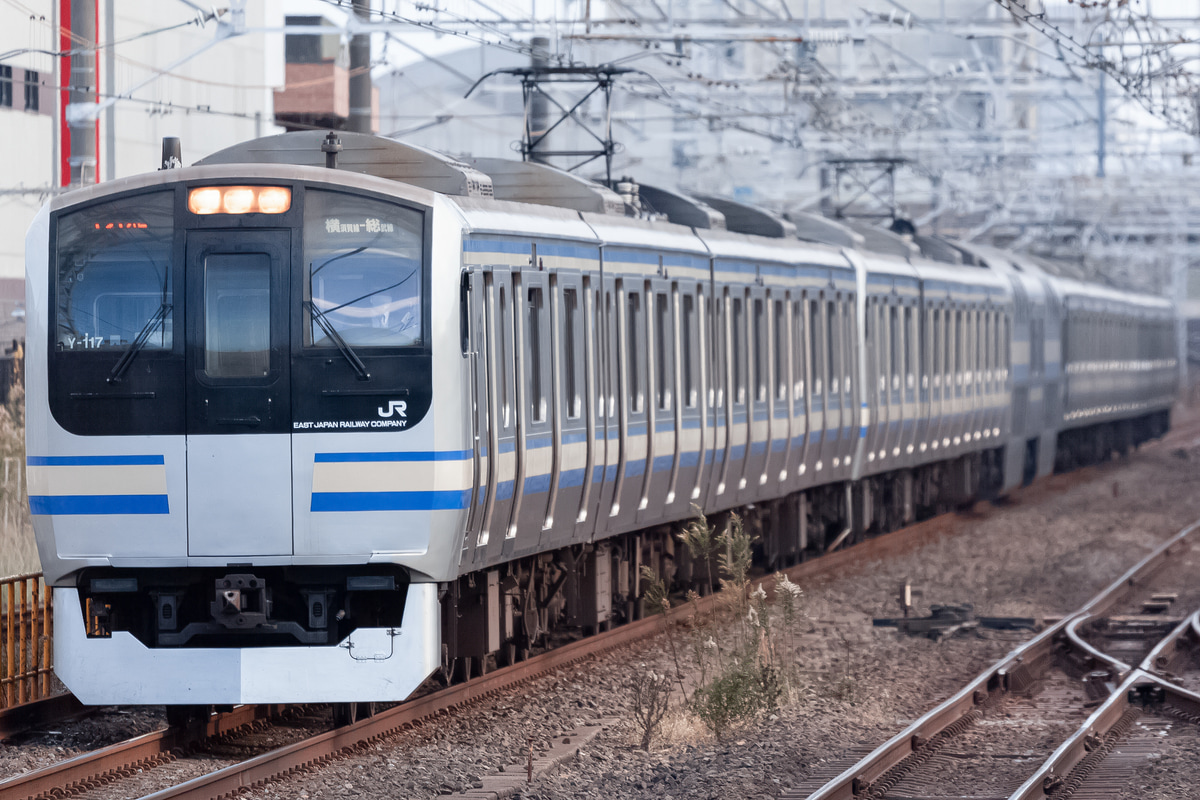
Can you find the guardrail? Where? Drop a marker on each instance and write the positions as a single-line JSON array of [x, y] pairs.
[[26, 634]]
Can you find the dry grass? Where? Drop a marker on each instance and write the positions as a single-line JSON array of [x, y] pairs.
[[18, 551]]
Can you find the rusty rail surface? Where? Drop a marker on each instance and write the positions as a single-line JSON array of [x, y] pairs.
[[1070, 764], [317, 750], [26, 635], [320, 749], [1011, 673], [110, 763]]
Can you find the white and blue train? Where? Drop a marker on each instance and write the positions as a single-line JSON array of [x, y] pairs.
[[312, 419]]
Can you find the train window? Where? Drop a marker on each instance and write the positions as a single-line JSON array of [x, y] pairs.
[[738, 323], [114, 275], [910, 348], [611, 373], [780, 344], [535, 331], [633, 344], [760, 352], [849, 335], [832, 363], [958, 346], [663, 339], [1037, 351], [897, 345], [571, 363], [504, 336], [237, 315], [716, 375], [687, 331], [798, 350], [363, 271], [817, 352]]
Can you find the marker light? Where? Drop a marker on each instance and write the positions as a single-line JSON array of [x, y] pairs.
[[239, 200], [274, 200], [204, 201]]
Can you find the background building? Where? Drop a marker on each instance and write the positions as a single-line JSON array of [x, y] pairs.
[[163, 69]]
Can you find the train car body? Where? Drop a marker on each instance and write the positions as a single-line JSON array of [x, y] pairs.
[[307, 434]]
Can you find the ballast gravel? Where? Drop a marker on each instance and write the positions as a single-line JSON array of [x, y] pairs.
[[1043, 554]]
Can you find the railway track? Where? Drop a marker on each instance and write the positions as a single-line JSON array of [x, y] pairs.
[[106, 765], [111, 764], [1041, 721]]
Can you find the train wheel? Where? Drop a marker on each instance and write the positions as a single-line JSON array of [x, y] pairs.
[[349, 713], [185, 716]]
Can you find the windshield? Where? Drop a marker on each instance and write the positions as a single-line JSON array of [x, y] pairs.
[[363, 271], [114, 274]]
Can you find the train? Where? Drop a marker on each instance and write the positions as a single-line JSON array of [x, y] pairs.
[[323, 416]]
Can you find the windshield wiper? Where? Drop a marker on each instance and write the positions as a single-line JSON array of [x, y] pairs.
[[138, 343], [359, 368]]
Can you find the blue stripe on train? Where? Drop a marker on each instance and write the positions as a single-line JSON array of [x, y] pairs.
[[436, 455], [94, 461], [99, 504], [390, 501]]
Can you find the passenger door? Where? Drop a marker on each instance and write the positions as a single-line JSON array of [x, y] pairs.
[[238, 415]]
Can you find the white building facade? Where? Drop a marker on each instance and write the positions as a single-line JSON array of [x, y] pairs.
[[162, 69]]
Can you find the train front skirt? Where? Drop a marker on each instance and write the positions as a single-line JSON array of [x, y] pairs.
[[371, 664]]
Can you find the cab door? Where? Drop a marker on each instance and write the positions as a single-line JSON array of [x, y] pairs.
[[238, 414]]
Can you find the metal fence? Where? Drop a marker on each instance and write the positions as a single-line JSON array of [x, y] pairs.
[[26, 632]]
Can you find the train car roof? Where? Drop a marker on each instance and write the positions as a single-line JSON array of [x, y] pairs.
[[747, 247], [241, 172], [634, 232], [485, 215], [1075, 292]]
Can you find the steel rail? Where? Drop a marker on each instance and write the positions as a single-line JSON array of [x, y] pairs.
[[1017, 667], [1163, 656], [311, 752], [105, 763], [275, 764], [1096, 737], [1094, 654], [116, 758]]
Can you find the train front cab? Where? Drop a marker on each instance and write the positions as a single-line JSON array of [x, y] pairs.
[[233, 494]]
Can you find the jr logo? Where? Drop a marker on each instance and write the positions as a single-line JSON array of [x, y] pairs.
[[397, 407]]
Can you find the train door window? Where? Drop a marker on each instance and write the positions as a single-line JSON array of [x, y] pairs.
[[797, 350], [663, 340], [572, 364], [910, 348], [687, 330], [896, 345], [849, 338], [716, 375], [1037, 353], [761, 377], [633, 345], [816, 346], [958, 347], [779, 341], [977, 317], [832, 364], [997, 343], [947, 354], [237, 315], [610, 360], [504, 336], [536, 330], [1003, 348], [737, 325]]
